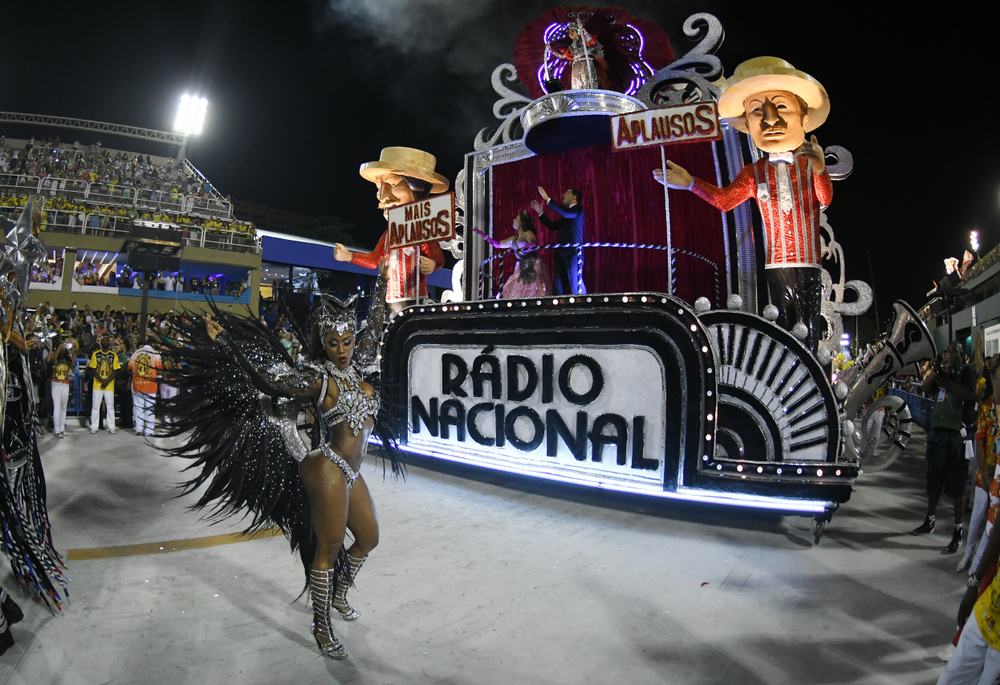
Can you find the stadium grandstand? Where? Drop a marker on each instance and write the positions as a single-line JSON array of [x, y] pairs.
[[93, 195]]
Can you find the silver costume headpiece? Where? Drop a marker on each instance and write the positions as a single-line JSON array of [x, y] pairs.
[[336, 315]]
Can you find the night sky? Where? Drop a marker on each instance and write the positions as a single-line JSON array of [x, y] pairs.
[[302, 92]]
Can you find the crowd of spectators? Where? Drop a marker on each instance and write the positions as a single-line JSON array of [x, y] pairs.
[[67, 214], [276, 321], [67, 168], [122, 185], [47, 272], [98, 274], [80, 331]]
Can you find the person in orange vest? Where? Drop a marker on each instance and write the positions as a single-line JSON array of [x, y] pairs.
[[145, 366]]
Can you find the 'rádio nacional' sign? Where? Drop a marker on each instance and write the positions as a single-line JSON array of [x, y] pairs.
[[577, 410]]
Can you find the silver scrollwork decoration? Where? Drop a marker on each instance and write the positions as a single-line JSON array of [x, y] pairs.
[[830, 250], [457, 245], [834, 306], [507, 109], [689, 79], [843, 162]]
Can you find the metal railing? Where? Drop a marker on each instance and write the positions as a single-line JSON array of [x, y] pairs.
[[117, 194], [500, 256], [115, 226], [111, 194], [160, 199]]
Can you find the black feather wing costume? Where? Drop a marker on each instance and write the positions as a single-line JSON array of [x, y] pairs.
[[24, 520], [237, 408]]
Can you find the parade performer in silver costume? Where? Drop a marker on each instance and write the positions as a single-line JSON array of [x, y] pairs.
[[239, 400]]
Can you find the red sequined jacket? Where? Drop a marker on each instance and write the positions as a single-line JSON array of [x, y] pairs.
[[792, 233], [400, 277]]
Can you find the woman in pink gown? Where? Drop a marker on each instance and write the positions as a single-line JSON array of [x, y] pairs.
[[531, 275]]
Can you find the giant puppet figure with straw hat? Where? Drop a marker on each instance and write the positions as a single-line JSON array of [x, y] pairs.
[[402, 175], [777, 105]]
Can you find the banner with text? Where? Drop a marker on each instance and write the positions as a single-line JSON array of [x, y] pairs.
[[666, 126], [593, 413], [423, 221]]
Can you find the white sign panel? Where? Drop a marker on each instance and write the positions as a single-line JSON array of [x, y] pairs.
[[991, 341], [423, 221], [590, 413]]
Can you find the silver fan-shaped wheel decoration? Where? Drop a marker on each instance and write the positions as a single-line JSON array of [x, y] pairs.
[[778, 417]]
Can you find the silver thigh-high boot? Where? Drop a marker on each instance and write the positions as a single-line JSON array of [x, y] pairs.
[[320, 583], [340, 596]]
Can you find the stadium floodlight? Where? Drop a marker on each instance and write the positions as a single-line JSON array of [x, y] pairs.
[[974, 241], [191, 115]]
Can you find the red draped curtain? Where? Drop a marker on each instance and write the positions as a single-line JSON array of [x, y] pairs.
[[623, 204]]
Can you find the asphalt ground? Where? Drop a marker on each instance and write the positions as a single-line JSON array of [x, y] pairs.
[[484, 577]]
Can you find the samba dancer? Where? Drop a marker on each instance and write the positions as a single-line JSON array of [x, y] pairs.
[[313, 496], [583, 49]]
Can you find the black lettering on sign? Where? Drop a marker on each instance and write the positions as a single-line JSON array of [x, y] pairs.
[[596, 385], [556, 428], [515, 362], [547, 372], [639, 460], [537, 427], [500, 437], [493, 375], [598, 439], [452, 414], [474, 433], [419, 412], [454, 371]]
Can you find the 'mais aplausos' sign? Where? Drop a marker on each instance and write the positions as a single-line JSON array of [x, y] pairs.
[[666, 126], [424, 221], [591, 412]]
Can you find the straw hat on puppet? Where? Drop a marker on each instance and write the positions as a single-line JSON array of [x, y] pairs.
[[405, 161], [771, 73]]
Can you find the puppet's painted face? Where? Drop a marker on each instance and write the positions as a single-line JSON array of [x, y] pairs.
[[393, 191], [776, 120]]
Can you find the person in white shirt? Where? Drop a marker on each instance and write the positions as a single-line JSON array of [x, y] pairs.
[[168, 282]]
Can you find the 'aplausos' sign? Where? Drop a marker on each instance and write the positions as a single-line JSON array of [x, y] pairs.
[[666, 126], [592, 412]]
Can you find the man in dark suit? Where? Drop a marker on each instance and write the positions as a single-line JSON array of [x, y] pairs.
[[569, 230]]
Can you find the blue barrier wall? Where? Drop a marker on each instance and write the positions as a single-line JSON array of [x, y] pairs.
[[921, 408], [178, 295]]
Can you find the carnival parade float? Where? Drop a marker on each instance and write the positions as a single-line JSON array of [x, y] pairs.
[[691, 356]]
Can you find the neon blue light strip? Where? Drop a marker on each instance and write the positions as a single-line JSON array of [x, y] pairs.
[[686, 494]]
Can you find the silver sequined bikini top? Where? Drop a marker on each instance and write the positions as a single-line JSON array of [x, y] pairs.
[[353, 405]]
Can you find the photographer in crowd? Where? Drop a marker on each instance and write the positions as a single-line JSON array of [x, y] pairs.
[[62, 362], [953, 385]]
